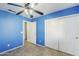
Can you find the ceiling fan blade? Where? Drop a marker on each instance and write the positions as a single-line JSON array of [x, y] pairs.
[[15, 4], [27, 4], [11, 10], [20, 12], [41, 13]]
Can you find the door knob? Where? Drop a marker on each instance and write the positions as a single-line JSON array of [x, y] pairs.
[[76, 38]]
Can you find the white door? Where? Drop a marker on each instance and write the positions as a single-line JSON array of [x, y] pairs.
[[77, 36], [53, 33], [31, 32], [63, 34], [71, 42]]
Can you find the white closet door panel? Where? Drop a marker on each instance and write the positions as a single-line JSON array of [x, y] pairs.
[[77, 34], [69, 44], [63, 34], [53, 33]]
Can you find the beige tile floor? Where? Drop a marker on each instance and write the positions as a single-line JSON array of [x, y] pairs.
[[30, 49]]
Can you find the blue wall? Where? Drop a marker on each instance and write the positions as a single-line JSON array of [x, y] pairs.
[[10, 31], [40, 32]]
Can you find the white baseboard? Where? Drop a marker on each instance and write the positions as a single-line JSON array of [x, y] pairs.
[[11, 49], [40, 45]]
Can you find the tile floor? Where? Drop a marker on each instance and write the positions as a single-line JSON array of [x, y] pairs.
[[30, 49]]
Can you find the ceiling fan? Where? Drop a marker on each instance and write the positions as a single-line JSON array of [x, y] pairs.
[[27, 6]]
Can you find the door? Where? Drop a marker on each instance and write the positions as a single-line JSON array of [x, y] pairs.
[[77, 35], [53, 33], [70, 43], [31, 32]]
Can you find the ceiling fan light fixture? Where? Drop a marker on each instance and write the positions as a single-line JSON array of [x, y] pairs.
[[26, 11]]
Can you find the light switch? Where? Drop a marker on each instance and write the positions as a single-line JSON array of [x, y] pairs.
[[21, 32]]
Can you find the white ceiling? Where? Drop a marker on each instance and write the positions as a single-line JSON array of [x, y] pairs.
[[43, 7]]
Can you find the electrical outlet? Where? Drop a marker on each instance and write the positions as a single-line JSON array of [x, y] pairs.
[[21, 32], [8, 45]]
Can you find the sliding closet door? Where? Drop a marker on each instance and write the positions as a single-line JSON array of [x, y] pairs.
[[71, 42], [77, 36], [63, 34], [53, 33]]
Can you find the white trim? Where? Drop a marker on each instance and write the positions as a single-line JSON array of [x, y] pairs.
[[11, 49], [40, 45], [23, 30]]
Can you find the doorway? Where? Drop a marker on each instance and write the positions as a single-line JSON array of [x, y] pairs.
[[24, 30]]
